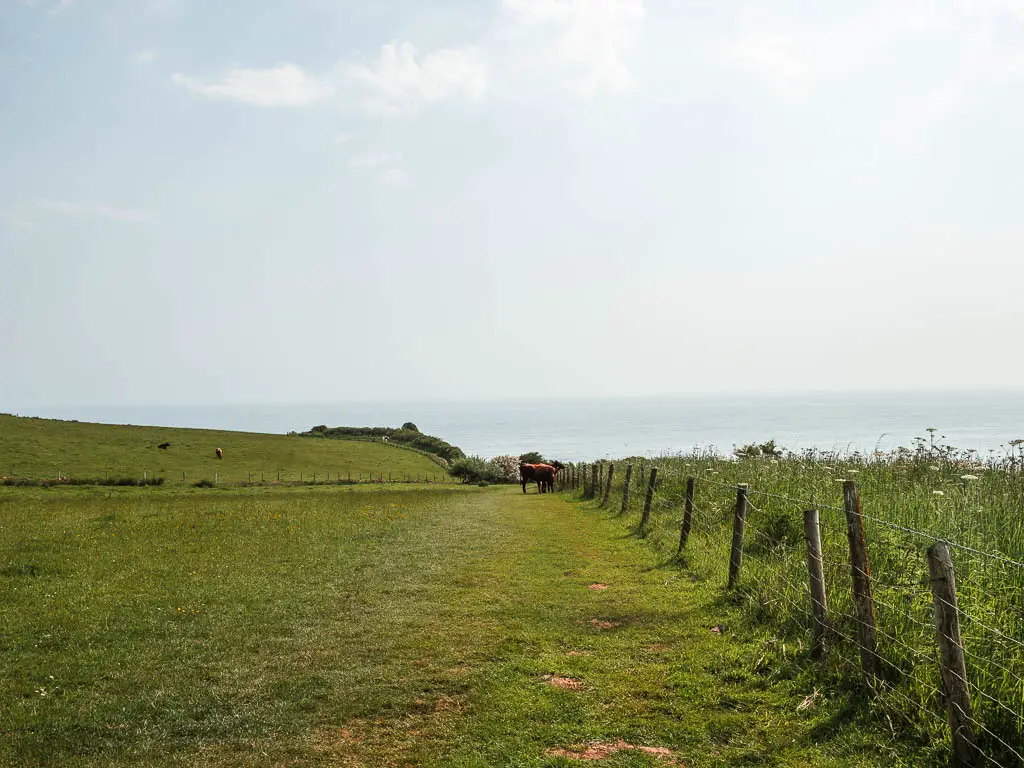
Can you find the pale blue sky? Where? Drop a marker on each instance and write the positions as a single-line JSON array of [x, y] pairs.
[[318, 201]]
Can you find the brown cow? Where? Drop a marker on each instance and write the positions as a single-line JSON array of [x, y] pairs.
[[542, 474], [220, 453]]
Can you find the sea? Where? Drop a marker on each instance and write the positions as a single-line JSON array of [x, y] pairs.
[[590, 429]]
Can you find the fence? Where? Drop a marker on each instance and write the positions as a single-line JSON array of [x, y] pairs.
[[928, 628], [230, 478]]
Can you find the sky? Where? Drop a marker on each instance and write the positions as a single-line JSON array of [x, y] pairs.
[[323, 201]]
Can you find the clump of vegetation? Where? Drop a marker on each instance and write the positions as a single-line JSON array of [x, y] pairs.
[[204, 483], [758, 451], [407, 435], [474, 469], [506, 467]]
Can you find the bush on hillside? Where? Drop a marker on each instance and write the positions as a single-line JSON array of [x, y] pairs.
[[412, 438], [410, 426], [506, 468], [533, 457], [473, 469]]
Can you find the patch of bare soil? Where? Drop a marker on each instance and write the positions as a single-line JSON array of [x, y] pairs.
[[565, 683], [599, 750], [598, 586], [603, 623], [580, 653]]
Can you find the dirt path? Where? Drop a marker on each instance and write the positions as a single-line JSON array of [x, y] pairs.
[[575, 647]]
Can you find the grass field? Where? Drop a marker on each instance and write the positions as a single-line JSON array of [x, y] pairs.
[[377, 627], [42, 448]]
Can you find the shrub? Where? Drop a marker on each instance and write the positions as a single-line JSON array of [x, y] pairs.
[[532, 458], [410, 426], [412, 438], [757, 450], [203, 484], [505, 468]]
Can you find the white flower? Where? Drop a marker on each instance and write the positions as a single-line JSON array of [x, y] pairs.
[[938, 493], [934, 469], [840, 479], [854, 471], [968, 477]]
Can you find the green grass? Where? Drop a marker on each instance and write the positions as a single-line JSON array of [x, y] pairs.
[[379, 627], [920, 492], [42, 448]]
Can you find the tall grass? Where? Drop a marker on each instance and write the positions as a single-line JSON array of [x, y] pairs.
[[910, 498]]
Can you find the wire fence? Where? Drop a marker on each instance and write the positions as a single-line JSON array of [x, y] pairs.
[[230, 477], [937, 651]]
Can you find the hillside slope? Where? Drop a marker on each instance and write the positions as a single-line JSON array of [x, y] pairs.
[[40, 448]]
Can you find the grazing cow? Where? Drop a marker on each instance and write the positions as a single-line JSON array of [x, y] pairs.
[[528, 474], [541, 474], [164, 446], [220, 454]]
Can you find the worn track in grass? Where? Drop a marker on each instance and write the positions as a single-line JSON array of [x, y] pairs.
[[374, 628]]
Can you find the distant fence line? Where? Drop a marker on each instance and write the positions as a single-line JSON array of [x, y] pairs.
[[902, 629], [263, 477]]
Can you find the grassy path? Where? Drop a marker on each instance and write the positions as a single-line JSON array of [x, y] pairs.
[[374, 628]]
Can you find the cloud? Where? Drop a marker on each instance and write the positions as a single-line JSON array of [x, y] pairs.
[[26, 215], [393, 177], [146, 57], [398, 81], [343, 137], [375, 159], [581, 45], [284, 85], [13, 219], [102, 211], [386, 167]]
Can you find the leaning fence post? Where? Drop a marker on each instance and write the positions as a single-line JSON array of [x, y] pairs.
[[860, 574], [608, 484], [951, 653], [816, 573], [684, 531], [739, 522], [625, 489], [649, 499]]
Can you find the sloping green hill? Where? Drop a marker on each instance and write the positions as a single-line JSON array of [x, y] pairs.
[[42, 448]]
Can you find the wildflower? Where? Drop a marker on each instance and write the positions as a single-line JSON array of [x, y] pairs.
[[968, 477], [840, 479], [938, 493], [854, 471], [934, 469]]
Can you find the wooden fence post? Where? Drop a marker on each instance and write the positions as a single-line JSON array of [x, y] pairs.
[[600, 477], [625, 489], [951, 654], [684, 530], [608, 485], [816, 573], [593, 481], [860, 575], [739, 522], [648, 500]]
